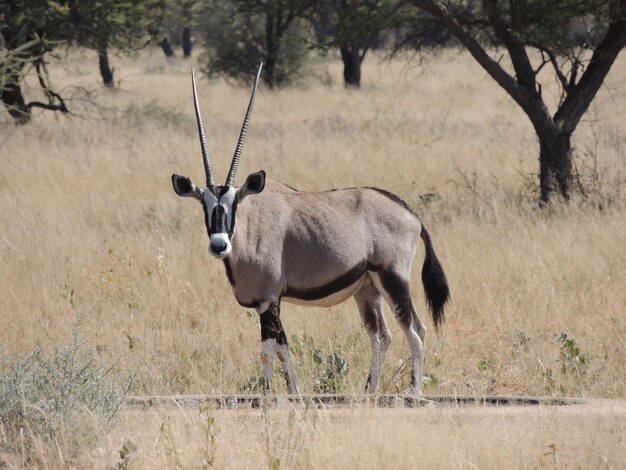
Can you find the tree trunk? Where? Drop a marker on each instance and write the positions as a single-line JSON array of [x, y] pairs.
[[105, 69], [555, 164], [167, 48], [14, 103], [323, 27], [351, 66], [187, 45], [271, 43], [270, 65]]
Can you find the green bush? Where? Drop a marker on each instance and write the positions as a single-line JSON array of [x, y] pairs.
[[236, 44]]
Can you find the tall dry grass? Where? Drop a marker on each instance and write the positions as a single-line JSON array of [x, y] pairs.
[[90, 227]]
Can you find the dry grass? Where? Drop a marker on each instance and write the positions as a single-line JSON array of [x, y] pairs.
[[89, 226], [438, 438]]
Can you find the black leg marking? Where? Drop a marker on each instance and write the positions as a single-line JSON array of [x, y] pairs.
[[370, 319], [398, 290], [368, 302], [271, 327]]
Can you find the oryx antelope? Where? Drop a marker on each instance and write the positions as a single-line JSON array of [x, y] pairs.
[[317, 248]]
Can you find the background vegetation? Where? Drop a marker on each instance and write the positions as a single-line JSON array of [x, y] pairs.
[[90, 229], [577, 41]]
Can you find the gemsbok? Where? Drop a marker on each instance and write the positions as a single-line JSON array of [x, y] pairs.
[[317, 248]]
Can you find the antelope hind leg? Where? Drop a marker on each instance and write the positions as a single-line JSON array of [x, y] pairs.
[[370, 304], [397, 295]]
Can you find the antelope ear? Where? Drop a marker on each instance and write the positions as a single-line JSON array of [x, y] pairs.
[[254, 185], [185, 188]]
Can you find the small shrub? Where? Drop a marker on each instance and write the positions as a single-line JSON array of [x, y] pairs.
[[333, 369], [430, 381], [255, 384], [60, 400], [330, 368], [570, 356]]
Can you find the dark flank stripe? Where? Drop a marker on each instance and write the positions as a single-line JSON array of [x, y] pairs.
[[342, 282]]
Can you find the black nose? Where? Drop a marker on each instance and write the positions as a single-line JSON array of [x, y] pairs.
[[217, 246]]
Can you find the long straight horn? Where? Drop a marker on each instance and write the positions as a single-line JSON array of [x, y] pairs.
[[205, 154], [242, 135]]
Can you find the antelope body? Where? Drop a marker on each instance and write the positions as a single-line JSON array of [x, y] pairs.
[[318, 248]]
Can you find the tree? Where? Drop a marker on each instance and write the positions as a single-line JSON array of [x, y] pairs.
[[30, 30], [579, 62], [125, 25], [354, 27], [180, 19], [252, 31]]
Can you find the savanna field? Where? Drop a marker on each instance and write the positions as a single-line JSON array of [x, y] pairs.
[[94, 242]]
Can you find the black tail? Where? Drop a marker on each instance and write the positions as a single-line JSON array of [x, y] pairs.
[[435, 282]]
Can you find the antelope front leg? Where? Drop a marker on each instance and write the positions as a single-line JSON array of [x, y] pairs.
[[274, 341]]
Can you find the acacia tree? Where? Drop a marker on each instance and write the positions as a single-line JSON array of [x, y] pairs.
[[580, 62]]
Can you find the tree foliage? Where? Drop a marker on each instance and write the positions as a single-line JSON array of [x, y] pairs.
[[180, 19], [251, 31], [353, 26], [30, 30], [578, 39], [121, 24]]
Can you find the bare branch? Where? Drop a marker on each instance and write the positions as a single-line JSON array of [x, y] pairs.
[[52, 107], [506, 81], [582, 94], [557, 69], [576, 65], [544, 62]]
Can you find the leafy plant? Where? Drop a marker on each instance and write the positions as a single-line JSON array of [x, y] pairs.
[[333, 368], [330, 368], [255, 384], [570, 356]]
